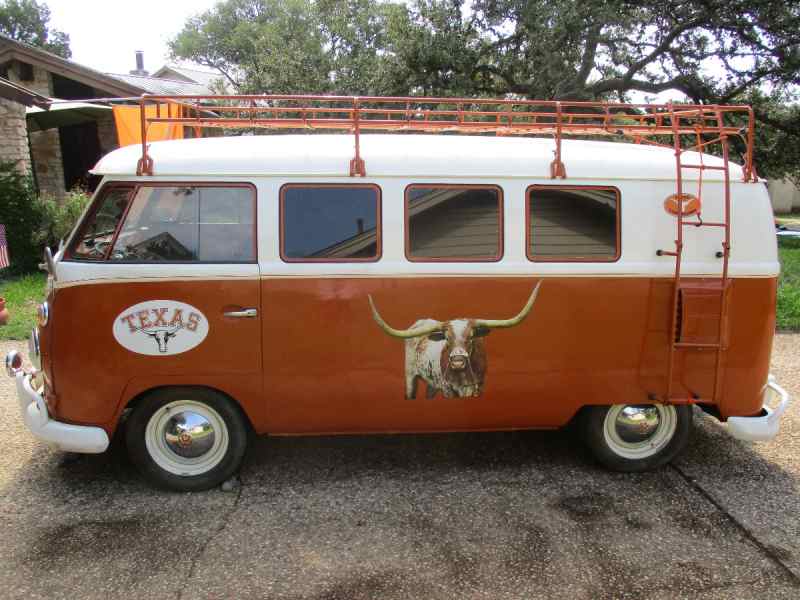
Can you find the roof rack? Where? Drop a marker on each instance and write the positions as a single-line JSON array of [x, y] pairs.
[[680, 127]]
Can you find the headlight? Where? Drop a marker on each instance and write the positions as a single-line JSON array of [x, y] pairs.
[[43, 314], [13, 363]]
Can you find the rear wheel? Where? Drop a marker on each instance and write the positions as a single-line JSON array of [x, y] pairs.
[[186, 439], [628, 437]]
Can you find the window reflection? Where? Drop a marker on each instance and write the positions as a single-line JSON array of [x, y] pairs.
[[446, 222], [179, 224], [330, 223]]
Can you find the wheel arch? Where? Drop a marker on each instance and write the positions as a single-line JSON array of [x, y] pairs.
[[135, 393]]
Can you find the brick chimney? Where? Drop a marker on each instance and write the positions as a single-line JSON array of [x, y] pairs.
[[139, 65]]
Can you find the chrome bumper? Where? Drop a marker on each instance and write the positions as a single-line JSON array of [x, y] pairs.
[[764, 427], [66, 437]]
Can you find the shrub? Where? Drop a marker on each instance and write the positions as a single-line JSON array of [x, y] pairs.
[[21, 215], [58, 219]]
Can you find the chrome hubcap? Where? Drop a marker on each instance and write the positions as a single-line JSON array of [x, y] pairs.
[[635, 424], [187, 438], [637, 431], [189, 434]]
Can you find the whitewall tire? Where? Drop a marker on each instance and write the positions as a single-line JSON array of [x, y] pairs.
[[186, 438], [627, 437]]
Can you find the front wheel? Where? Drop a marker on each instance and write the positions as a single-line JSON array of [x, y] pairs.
[[186, 439], [628, 437]]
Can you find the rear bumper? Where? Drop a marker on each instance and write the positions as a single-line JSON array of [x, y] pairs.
[[764, 427], [64, 436]]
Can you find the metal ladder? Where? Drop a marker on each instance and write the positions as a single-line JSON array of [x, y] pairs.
[[721, 285]]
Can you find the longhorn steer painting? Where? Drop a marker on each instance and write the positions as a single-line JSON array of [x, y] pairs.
[[450, 356]]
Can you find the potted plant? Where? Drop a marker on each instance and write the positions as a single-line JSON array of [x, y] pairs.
[[4, 314]]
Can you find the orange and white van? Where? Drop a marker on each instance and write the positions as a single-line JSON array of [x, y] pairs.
[[441, 283]]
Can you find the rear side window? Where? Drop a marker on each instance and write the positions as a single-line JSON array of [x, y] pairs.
[[330, 223], [96, 235], [188, 224], [454, 222], [573, 223]]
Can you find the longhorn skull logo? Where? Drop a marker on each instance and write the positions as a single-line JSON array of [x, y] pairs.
[[161, 334]]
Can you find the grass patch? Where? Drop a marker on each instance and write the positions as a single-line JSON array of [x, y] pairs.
[[22, 295], [789, 284]]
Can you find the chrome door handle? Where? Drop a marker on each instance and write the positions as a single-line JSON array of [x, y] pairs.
[[245, 313]]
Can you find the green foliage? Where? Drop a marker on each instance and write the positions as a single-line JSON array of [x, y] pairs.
[[22, 295], [710, 51], [21, 215], [58, 219], [777, 148], [789, 285], [28, 21], [293, 46]]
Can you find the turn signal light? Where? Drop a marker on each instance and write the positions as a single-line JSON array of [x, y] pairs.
[[43, 314]]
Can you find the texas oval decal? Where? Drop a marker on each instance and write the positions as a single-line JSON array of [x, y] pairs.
[[160, 327]]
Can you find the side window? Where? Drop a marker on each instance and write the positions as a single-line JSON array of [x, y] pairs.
[[330, 223], [96, 234], [454, 222], [188, 223], [573, 223]]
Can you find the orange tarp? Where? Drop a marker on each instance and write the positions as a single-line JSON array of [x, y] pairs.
[[129, 126]]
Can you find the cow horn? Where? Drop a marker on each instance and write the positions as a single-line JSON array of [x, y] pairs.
[[401, 333], [492, 323]]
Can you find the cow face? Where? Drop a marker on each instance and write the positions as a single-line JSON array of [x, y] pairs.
[[461, 337]]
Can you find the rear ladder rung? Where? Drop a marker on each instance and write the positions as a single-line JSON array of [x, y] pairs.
[[704, 167], [702, 224], [696, 345]]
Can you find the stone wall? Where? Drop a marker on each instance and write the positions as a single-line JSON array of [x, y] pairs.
[[47, 163], [107, 133], [14, 135], [45, 146]]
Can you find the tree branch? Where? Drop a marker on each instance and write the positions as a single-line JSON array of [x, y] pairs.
[[662, 47], [589, 55]]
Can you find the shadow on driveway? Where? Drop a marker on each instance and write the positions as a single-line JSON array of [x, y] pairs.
[[482, 515]]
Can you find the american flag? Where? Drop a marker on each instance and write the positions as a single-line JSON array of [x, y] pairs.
[[4, 259]]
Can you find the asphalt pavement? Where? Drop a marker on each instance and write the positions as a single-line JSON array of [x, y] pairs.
[[491, 515]]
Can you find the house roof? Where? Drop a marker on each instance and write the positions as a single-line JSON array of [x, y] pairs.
[[157, 85], [104, 83], [428, 156], [206, 78], [18, 93]]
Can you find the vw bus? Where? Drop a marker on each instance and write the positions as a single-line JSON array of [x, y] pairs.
[[405, 276]]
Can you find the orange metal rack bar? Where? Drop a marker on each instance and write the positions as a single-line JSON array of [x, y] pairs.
[[707, 127], [356, 114]]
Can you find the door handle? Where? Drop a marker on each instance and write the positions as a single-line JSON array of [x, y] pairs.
[[245, 313]]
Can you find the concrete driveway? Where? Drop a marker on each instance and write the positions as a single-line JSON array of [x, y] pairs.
[[505, 515]]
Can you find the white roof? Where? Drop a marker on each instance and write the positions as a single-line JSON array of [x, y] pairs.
[[405, 155]]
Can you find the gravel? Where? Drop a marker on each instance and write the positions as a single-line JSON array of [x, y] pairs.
[[489, 515]]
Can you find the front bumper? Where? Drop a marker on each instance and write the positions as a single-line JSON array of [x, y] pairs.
[[64, 436], [764, 427]]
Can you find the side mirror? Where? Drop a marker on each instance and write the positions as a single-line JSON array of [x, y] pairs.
[[49, 264]]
